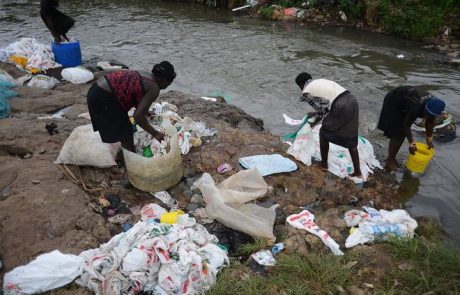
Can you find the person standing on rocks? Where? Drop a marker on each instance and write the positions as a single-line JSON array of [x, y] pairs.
[[401, 107], [57, 22], [340, 111], [111, 98]]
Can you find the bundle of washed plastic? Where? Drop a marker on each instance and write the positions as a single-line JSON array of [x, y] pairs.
[[189, 132], [29, 54], [155, 257]]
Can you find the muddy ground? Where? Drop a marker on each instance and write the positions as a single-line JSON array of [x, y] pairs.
[[42, 209]]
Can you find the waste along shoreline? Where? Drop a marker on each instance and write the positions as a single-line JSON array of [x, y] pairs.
[[113, 238]]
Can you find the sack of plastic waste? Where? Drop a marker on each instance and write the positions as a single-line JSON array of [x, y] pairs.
[[84, 147], [227, 202], [43, 81], [77, 75], [156, 174]]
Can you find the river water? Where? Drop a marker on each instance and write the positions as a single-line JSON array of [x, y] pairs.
[[253, 63]]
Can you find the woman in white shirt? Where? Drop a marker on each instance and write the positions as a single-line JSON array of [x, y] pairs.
[[339, 111]]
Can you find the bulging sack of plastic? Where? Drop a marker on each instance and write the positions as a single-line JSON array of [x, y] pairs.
[[226, 203], [48, 271], [77, 75], [43, 81], [84, 147], [156, 174]]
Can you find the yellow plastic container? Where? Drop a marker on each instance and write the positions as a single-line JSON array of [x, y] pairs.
[[417, 163], [170, 217]]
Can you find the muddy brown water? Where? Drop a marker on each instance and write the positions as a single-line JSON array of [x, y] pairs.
[[253, 63]]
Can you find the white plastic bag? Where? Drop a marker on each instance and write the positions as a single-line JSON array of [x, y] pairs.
[[84, 147], [264, 257], [226, 203], [48, 271], [305, 220], [77, 75], [43, 81]]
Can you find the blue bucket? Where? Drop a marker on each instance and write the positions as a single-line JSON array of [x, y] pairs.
[[67, 54]]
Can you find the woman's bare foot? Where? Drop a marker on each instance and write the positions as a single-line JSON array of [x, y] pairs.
[[356, 174], [392, 165]]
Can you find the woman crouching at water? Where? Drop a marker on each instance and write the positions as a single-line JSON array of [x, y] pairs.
[[111, 97]]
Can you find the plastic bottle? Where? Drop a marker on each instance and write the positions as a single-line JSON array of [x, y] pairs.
[[147, 152], [277, 248]]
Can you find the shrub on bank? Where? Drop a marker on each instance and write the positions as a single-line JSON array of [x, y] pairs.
[[413, 19]]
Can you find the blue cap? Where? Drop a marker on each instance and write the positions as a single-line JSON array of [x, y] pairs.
[[435, 106]]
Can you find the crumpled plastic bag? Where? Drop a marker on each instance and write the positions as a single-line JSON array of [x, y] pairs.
[[305, 220], [84, 147], [48, 271], [227, 203]]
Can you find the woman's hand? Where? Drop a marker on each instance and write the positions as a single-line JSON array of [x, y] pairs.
[[159, 136], [429, 142], [412, 148]]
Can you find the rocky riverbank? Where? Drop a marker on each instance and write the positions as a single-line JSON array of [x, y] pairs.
[[42, 209]]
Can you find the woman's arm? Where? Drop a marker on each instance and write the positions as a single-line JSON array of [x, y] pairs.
[[140, 115], [429, 127]]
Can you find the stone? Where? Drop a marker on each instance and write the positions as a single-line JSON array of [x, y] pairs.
[[354, 290], [36, 181], [296, 244]]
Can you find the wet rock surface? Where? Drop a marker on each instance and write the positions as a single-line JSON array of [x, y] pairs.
[[42, 209]]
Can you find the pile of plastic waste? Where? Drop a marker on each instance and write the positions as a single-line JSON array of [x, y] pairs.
[[189, 132], [29, 54], [181, 258], [376, 225]]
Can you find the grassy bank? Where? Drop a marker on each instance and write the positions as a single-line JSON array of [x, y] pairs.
[[423, 265]]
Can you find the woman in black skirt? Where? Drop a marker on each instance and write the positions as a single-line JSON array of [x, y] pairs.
[[401, 107], [57, 22], [340, 111], [111, 98]]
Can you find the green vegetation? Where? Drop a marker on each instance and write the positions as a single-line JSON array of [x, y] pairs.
[[266, 12], [422, 265], [413, 19]]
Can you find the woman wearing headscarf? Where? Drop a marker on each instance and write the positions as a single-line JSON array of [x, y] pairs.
[[57, 22], [111, 98], [401, 107], [339, 111]]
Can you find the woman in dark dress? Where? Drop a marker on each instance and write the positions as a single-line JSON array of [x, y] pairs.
[[57, 22], [401, 107], [111, 98]]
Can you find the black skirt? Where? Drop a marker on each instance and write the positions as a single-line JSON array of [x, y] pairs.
[[107, 115], [340, 126]]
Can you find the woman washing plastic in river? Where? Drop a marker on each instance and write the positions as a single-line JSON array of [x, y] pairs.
[[340, 111], [57, 22], [114, 95], [401, 107]]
